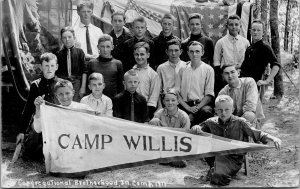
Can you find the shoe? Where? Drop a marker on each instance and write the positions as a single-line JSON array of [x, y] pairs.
[[178, 164], [220, 179]]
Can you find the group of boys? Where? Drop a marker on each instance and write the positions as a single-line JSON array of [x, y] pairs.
[[167, 82]]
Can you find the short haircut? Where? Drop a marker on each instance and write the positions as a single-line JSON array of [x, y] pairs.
[[259, 22], [142, 45], [105, 37], [96, 76], [233, 17], [226, 66], [168, 16], [195, 43], [65, 29], [119, 13], [48, 57], [193, 16], [173, 42], [88, 4], [223, 98], [62, 83], [139, 19], [130, 72], [170, 91]]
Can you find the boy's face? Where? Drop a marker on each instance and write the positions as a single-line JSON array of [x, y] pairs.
[[224, 110], [231, 75], [64, 95], [118, 23], [195, 26], [234, 27], [170, 101], [167, 26], [68, 39], [96, 86], [131, 83], [195, 52], [257, 31], [105, 48], [173, 53], [139, 29], [141, 56], [49, 68], [85, 14]]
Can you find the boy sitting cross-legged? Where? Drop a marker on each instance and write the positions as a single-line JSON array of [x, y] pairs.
[[99, 102]]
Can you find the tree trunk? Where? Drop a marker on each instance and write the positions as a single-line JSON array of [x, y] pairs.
[[287, 26], [278, 83], [264, 17]]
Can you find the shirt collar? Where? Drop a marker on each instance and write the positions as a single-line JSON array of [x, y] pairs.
[[227, 122], [239, 85], [174, 65], [231, 38], [129, 94], [112, 33], [257, 43], [166, 113], [137, 68], [166, 37], [82, 25], [49, 80], [96, 99]]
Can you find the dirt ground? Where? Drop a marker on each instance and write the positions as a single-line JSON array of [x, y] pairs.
[[268, 168]]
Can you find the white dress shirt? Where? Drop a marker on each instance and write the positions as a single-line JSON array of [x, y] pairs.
[[94, 32]]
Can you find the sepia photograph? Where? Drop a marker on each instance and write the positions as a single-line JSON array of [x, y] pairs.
[[150, 93]]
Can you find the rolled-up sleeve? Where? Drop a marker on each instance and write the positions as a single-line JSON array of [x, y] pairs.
[[251, 96], [154, 90], [37, 124], [210, 82], [218, 54]]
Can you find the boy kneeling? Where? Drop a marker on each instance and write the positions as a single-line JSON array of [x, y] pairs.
[[233, 127]]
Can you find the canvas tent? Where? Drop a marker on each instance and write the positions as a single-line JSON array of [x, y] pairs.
[[31, 27]]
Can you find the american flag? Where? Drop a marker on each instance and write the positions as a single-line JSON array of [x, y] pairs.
[[142, 11], [213, 22]]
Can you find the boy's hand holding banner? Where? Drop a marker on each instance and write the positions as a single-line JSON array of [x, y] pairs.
[[77, 143]]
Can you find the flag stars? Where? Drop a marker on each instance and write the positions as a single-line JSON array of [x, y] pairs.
[[220, 26], [211, 16], [211, 7], [210, 34], [220, 34], [221, 16], [210, 26], [222, 7]]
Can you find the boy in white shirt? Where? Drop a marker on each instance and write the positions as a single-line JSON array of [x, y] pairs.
[[99, 102], [149, 81]]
